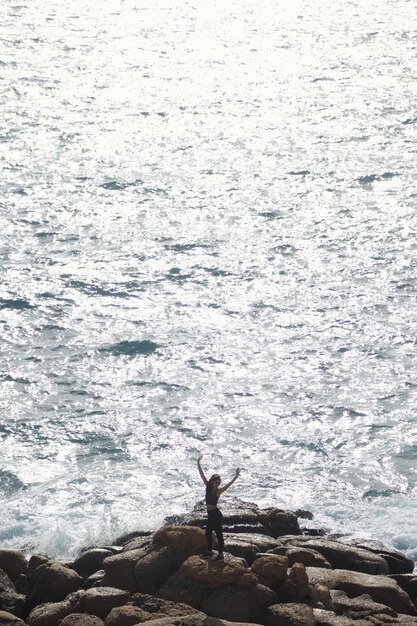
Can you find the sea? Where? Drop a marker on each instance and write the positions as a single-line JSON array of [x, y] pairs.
[[208, 245]]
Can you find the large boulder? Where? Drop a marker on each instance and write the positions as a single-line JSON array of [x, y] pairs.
[[270, 570], [292, 614], [341, 555], [119, 570], [158, 607], [99, 601], [13, 562], [54, 612], [52, 582], [34, 562], [408, 583], [136, 543], [153, 569], [249, 545], [233, 603], [381, 588], [49, 614], [359, 606], [217, 574], [126, 615], [179, 589], [240, 516], [398, 563], [296, 587], [300, 554], [181, 539], [8, 619], [145, 569], [13, 603], [91, 561], [81, 619], [227, 590]]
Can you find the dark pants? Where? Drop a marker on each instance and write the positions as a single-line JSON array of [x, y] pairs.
[[214, 522]]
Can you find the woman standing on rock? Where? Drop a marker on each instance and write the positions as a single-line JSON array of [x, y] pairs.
[[214, 515]]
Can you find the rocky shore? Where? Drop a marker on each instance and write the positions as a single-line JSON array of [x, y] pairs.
[[274, 574]]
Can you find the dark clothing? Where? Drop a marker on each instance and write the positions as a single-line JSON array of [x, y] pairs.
[[214, 522], [211, 498]]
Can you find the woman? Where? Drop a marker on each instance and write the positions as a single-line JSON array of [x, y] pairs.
[[214, 515]]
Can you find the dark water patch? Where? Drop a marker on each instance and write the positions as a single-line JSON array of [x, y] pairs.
[[185, 247], [48, 295], [132, 348], [213, 361], [155, 191], [285, 249], [239, 394], [214, 271], [372, 178], [162, 384], [299, 173], [379, 493], [174, 274], [10, 483], [7, 378], [271, 215], [17, 305], [403, 286], [322, 78], [45, 234], [97, 290], [192, 363], [114, 185], [408, 121]]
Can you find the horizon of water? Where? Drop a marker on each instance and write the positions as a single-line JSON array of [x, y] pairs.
[[208, 245]]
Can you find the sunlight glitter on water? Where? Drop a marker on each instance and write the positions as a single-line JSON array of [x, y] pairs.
[[207, 244]]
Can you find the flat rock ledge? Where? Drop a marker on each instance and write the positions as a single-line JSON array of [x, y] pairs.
[[273, 574]]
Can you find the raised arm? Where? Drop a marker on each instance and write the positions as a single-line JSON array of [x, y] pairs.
[[200, 469], [227, 485]]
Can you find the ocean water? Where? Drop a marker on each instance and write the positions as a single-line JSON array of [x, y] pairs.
[[207, 245]]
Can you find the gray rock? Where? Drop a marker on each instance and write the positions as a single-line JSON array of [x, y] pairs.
[[381, 588], [249, 545], [6, 585], [233, 603], [81, 619], [360, 606], [90, 561], [13, 562], [51, 582], [8, 619], [397, 562], [328, 618], [343, 556], [100, 601], [292, 614], [407, 582], [13, 603], [246, 516]]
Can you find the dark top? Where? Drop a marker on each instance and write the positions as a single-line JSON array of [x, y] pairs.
[[211, 498]]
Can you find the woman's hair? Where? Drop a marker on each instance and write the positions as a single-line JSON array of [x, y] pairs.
[[210, 484]]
